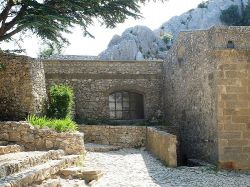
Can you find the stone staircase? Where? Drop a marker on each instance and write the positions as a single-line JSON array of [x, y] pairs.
[[9, 147], [22, 169]]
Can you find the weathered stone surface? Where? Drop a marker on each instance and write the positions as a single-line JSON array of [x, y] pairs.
[[38, 172], [124, 136], [16, 162], [138, 39], [204, 81], [10, 149], [94, 81], [199, 18], [33, 138], [92, 147], [80, 173], [162, 145], [22, 85]]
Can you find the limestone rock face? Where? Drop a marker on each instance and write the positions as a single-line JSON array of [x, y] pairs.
[[138, 42], [199, 18]]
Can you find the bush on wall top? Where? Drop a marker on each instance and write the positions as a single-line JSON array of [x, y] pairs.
[[60, 102]]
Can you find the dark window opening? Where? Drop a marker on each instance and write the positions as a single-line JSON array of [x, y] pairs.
[[230, 45], [126, 105]]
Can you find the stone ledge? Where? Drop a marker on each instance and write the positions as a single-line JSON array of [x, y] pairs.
[[33, 138]]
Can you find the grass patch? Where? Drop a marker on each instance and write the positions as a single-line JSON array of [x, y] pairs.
[[59, 125]]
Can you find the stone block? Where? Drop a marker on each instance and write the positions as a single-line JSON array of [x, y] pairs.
[[246, 135], [236, 89], [230, 135], [240, 119]]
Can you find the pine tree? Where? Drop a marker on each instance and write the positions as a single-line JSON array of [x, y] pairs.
[[48, 19]]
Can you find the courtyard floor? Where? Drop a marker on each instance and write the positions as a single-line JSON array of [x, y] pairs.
[[138, 168]]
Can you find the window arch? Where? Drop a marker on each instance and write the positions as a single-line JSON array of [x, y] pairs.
[[126, 105]]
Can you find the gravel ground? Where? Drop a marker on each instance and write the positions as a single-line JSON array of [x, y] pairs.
[[136, 167]]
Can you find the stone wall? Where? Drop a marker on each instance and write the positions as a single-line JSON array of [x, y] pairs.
[[93, 81], [233, 108], [22, 87], [125, 136], [204, 82], [189, 95], [162, 145], [33, 138]]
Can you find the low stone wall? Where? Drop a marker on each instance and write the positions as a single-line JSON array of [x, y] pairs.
[[125, 136], [33, 138], [162, 145]]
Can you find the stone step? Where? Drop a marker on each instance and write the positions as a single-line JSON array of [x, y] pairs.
[[10, 149], [15, 162], [81, 173], [39, 172], [91, 147], [60, 182]]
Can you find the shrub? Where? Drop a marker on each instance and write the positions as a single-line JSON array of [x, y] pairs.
[[203, 4], [167, 37], [60, 125], [60, 102], [231, 16]]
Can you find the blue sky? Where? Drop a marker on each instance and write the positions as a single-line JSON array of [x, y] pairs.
[[154, 13]]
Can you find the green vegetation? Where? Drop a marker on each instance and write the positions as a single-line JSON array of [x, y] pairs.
[[2, 67], [50, 49], [231, 16], [59, 111], [246, 16], [60, 125], [167, 37], [60, 102], [49, 19], [203, 4]]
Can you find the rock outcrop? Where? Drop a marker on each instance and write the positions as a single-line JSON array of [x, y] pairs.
[[204, 17], [136, 43], [139, 43]]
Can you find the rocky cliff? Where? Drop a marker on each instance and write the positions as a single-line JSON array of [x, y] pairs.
[[138, 43]]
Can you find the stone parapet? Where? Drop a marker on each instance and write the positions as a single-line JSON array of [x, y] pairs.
[[162, 145], [33, 138]]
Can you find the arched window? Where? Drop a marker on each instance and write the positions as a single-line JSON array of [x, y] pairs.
[[126, 105]]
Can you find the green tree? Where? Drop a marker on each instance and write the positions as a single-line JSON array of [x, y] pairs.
[[50, 49], [48, 19], [231, 16], [246, 16]]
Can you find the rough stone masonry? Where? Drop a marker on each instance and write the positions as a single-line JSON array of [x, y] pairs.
[[202, 87]]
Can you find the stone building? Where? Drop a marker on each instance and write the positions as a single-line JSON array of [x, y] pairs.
[[110, 89], [202, 87]]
